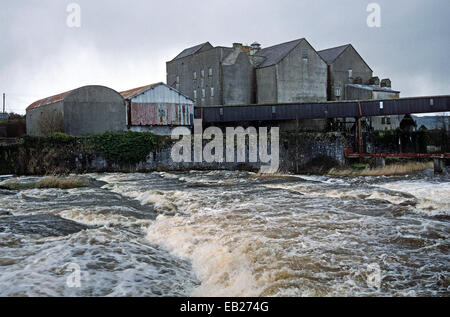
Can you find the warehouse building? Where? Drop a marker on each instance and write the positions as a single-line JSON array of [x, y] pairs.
[[84, 111], [287, 72], [157, 108]]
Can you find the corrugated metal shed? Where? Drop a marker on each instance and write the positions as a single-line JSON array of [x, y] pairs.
[[159, 104]]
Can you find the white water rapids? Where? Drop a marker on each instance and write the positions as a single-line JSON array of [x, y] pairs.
[[234, 234]]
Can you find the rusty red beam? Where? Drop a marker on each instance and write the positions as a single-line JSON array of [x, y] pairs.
[[397, 155]]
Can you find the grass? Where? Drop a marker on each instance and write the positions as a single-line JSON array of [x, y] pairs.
[[394, 169], [46, 182]]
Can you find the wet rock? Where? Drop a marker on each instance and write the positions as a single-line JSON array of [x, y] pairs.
[[5, 213], [40, 226]]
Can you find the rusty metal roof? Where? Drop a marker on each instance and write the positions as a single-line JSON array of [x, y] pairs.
[[49, 100], [137, 91]]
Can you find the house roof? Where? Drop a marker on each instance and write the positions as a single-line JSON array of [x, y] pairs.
[[274, 54], [128, 94], [331, 54], [191, 50], [49, 100]]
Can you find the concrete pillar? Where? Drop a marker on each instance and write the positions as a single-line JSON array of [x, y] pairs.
[[438, 165], [380, 162]]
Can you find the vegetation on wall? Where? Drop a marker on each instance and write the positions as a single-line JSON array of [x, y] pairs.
[[124, 147], [60, 153]]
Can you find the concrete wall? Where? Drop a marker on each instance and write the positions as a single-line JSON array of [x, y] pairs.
[[184, 68], [266, 85], [238, 82], [302, 79], [93, 110], [353, 93], [339, 75], [43, 113]]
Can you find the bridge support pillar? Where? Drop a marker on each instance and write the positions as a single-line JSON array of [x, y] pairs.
[[380, 162], [438, 165]]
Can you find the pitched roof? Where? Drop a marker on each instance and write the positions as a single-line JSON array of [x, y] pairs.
[[274, 54], [137, 91], [191, 50], [49, 100], [331, 54], [130, 94]]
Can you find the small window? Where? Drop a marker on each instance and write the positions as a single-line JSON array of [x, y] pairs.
[[388, 120], [195, 94], [203, 73], [383, 120], [178, 79], [203, 93], [212, 91], [305, 53], [210, 71], [350, 73], [195, 75], [337, 92], [221, 112]]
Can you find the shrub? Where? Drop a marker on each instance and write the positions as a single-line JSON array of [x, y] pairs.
[[124, 147]]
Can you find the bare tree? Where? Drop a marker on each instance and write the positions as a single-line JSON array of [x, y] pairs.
[[50, 123]]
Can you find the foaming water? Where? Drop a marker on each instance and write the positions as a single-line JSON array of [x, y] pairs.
[[236, 234]]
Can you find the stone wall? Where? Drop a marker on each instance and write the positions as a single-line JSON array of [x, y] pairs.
[[297, 150]]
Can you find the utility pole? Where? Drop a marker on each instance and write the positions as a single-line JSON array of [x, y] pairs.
[[4, 98]]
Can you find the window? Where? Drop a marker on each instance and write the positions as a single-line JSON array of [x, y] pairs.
[[203, 93], [383, 120], [337, 92], [305, 54], [178, 79], [212, 91], [388, 120], [203, 73], [350, 73], [210, 71], [195, 94], [195, 75]]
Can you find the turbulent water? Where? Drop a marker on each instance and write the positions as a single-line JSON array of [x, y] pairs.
[[231, 234]]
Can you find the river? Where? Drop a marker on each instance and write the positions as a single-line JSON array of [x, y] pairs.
[[225, 233]]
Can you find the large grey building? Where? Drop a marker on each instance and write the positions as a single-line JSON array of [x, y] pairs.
[[288, 72], [351, 78], [84, 111], [291, 72]]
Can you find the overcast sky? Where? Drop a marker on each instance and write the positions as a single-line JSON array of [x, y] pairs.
[[124, 44]]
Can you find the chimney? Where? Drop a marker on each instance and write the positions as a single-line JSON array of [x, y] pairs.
[[374, 81], [256, 47], [386, 83]]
